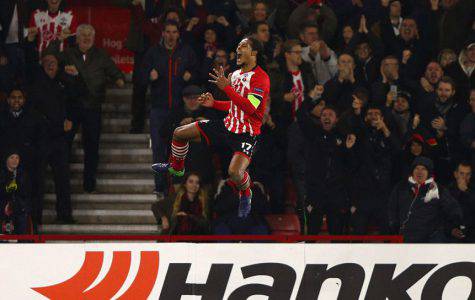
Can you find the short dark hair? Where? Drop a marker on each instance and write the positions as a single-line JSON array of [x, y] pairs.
[[449, 80], [463, 163], [390, 57], [171, 23], [16, 88], [255, 26], [331, 107], [289, 44], [308, 24]]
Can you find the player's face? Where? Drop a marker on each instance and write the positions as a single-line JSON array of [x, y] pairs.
[[192, 184], [328, 119], [244, 52]]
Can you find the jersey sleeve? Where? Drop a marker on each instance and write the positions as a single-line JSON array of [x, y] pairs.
[[222, 105]]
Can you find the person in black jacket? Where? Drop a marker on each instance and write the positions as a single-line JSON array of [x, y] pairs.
[[93, 67], [51, 95], [372, 182], [419, 207], [167, 67], [461, 190], [15, 194], [329, 160], [467, 130], [443, 114], [462, 72], [339, 90]]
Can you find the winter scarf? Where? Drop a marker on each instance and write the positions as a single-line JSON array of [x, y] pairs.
[[432, 192]]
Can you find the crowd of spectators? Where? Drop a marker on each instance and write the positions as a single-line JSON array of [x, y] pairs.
[[371, 118]]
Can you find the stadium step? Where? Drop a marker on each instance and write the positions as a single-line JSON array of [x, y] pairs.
[[112, 155], [111, 186], [106, 201], [105, 216], [125, 229], [124, 194]]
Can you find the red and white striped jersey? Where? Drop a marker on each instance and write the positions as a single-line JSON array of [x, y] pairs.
[[247, 111], [51, 25], [298, 90]]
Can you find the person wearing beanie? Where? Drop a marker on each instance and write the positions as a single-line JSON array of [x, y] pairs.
[[15, 194], [419, 208]]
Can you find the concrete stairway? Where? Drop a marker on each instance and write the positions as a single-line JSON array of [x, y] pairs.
[[125, 183]]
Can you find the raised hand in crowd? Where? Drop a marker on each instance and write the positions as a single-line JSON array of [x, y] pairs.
[[187, 76], [65, 33], [416, 121], [222, 20], [381, 125], [426, 86], [439, 125], [290, 97], [192, 23], [406, 55], [350, 141], [120, 83], [316, 92], [71, 70], [434, 4], [206, 100], [3, 60], [391, 97], [363, 27], [357, 105], [32, 33], [153, 75], [68, 125]]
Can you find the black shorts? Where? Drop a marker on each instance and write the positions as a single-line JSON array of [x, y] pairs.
[[213, 132]]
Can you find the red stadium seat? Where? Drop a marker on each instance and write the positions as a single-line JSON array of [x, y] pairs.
[[283, 224]]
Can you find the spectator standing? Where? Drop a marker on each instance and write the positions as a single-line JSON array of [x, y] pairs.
[[329, 160], [467, 130], [463, 71], [15, 194], [317, 53], [339, 91], [372, 182], [419, 207], [462, 192], [51, 96], [92, 66], [168, 67]]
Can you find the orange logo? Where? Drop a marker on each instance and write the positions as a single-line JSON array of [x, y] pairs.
[[76, 286]]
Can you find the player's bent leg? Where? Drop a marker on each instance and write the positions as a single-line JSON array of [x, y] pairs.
[[179, 148], [237, 173]]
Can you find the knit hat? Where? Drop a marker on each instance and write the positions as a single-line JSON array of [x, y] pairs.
[[425, 162]]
